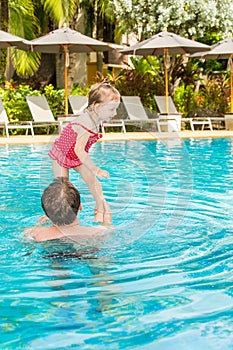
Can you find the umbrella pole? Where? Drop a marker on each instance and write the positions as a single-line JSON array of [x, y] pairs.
[[231, 85], [65, 79], [166, 78]]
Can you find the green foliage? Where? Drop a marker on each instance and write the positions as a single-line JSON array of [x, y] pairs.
[[55, 98], [62, 11], [149, 64], [186, 72], [23, 19], [3, 61], [144, 80], [80, 90], [25, 24], [26, 63], [214, 94], [210, 65], [14, 99], [145, 85], [185, 99]]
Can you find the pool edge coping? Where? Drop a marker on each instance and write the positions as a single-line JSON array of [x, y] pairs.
[[129, 136]]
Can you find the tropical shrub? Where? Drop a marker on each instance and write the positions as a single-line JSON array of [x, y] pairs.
[[185, 99], [80, 90], [144, 80], [14, 99], [55, 98], [214, 94]]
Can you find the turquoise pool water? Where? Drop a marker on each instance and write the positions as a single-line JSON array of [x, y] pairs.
[[163, 281]]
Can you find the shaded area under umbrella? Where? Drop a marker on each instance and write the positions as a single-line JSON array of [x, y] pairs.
[[164, 44], [66, 40], [221, 50]]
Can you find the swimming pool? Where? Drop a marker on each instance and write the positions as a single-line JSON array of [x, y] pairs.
[[163, 281]]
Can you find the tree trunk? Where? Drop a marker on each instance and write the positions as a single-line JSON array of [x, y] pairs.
[[4, 15], [4, 57]]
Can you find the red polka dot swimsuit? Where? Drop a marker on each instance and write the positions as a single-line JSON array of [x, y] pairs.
[[63, 148]]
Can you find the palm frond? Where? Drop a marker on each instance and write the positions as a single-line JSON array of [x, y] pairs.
[[25, 63], [23, 21], [60, 10]]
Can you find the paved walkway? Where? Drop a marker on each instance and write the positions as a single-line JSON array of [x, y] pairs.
[[22, 140]]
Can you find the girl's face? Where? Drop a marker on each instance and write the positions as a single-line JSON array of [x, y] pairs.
[[108, 110]]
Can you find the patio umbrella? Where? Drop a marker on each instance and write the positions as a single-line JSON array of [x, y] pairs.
[[221, 50], [65, 40], [164, 44], [10, 40]]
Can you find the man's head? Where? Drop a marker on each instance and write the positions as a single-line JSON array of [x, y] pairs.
[[61, 201]]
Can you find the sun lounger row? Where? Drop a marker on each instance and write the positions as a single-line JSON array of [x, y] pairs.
[[136, 115]]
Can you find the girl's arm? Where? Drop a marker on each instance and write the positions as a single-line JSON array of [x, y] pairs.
[[84, 157], [82, 154]]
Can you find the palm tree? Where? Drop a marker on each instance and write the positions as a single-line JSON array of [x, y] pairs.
[[3, 23], [30, 19], [4, 15]]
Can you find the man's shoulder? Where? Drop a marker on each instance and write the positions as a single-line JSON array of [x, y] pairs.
[[91, 232], [40, 234]]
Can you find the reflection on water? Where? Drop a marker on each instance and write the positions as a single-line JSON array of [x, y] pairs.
[[162, 281]]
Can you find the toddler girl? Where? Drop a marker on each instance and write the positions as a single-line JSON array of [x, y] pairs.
[[70, 150]]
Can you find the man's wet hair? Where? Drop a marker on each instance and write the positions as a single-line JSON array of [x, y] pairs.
[[61, 201]]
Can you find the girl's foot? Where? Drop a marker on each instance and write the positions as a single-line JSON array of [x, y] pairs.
[[107, 218], [107, 214]]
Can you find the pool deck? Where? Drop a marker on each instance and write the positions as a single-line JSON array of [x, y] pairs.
[[37, 139]]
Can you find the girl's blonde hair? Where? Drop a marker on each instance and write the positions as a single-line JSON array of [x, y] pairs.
[[102, 92]]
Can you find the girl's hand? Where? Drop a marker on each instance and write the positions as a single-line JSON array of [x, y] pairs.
[[102, 173]]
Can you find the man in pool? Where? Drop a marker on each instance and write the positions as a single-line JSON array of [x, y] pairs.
[[61, 203]]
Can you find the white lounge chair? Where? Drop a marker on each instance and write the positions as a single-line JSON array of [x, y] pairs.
[[136, 112], [113, 124], [172, 119], [77, 103], [173, 113], [202, 121], [6, 125], [161, 104], [41, 112]]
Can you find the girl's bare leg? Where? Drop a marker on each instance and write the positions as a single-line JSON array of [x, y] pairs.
[[59, 171], [102, 211]]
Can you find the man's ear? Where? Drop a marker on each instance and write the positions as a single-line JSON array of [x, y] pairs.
[[80, 207]]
